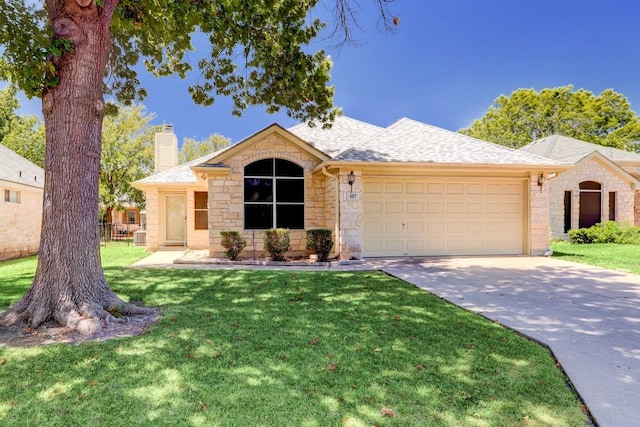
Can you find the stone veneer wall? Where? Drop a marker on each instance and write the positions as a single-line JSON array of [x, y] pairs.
[[152, 206], [20, 223], [538, 217], [226, 197], [350, 217], [592, 170], [635, 171]]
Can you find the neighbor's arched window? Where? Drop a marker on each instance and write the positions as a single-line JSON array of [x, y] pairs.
[[273, 195]]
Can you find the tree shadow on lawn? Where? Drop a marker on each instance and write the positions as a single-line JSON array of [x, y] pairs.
[[288, 348]]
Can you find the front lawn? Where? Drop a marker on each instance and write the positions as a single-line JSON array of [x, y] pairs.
[[608, 255], [248, 348]]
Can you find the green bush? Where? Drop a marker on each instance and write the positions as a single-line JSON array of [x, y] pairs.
[[606, 232], [276, 242], [319, 241], [233, 242]]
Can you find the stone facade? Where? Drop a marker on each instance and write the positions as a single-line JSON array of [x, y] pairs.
[[592, 169], [226, 196], [635, 171], [538, 217], [351, 211], [20, 222]]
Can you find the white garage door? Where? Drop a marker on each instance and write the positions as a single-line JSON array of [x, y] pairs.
[[443, 217]]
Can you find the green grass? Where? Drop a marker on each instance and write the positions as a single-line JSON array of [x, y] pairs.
[[608, 255], [288, 348]]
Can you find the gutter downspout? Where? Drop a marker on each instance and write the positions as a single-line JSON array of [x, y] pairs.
[[336, 252]]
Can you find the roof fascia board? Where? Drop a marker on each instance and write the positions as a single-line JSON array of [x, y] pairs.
[[435, 167]]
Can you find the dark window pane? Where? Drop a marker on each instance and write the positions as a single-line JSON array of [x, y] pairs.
[[260, 168], [200, 199], [290, 216], [290, 190], [201, 220], [258, 190], [567, 211], [589, 185], [258, 217], [287, 168]]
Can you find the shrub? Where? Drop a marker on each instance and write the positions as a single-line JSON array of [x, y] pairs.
[[320, 242], [276, 242], [233, 242], [606, 232]]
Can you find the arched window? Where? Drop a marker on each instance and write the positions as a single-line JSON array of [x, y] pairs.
[[273, 195]]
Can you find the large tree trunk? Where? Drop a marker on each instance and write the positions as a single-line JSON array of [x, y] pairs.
[[69, 286]]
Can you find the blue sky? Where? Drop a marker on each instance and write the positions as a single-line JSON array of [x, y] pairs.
[[446, 63]]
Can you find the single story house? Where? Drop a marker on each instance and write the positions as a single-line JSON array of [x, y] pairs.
[[21, 190], [603, 184], [409, 189]]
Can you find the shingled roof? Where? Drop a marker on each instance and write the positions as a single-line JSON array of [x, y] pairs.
[[345, 133], [15, 168], [404, 141], [410, 141], [570, 150]]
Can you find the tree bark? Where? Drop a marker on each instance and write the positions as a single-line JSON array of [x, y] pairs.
[[69, 286]]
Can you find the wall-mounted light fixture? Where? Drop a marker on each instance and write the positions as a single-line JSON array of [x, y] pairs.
[[351, 178], [541, 179]]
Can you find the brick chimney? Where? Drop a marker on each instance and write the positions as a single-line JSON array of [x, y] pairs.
[[166, 145]]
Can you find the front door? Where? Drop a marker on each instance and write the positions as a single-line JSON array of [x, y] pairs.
[[176, 218], [590, 204]]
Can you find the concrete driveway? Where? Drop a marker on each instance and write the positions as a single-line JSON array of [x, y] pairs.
[[588, 316]]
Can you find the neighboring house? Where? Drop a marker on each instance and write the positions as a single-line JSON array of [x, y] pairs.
[[21, 188], [603, 184], [406, 190]]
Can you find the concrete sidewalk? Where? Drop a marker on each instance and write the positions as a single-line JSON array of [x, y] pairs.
[[588, 316]]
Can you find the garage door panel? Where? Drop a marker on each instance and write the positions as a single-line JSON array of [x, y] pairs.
[[436, 245], [443, 217], [455, 207], [415, 246], [415, 207], [435, 188], [435, 227], [393, 227], [393, 207], [435, 207], [513, 208], [372, 187], [475, 208], [475, 189], [373, 227], [415, 188], [373, 208], [455, 188], [393, 187], [415, 227], [394, 247], [455, 227]]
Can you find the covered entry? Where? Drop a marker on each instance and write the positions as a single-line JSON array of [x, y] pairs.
[[454, 216]]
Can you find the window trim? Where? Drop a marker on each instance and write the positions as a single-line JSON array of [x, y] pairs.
[[273, 202], [200, 211], [8, 196]]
